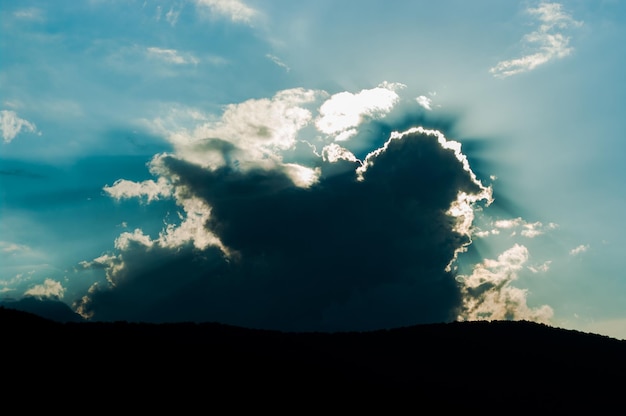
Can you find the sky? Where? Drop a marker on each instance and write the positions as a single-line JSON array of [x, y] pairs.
[[325, 166]]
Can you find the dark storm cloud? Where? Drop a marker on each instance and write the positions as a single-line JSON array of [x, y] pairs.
[[343, 254]]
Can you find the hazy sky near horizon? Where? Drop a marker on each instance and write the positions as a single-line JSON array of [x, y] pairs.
[[316, 165]]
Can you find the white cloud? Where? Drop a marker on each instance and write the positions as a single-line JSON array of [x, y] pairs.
[[12, 125], [101, 262], [111, 263], [346, 135], [150, 189], [463, 208], [301, 176], [548, 41], [344, 111], [235, 10], [124, 241], [526, 229], [172, 56], [510, 223], [333, 152], [257, 131], [578, 250], [483, 234], [49, 288], [532, 230], [425, 102], [489, 295], [191, 230]]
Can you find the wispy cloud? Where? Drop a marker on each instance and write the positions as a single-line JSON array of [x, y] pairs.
[[171, 16], [578, 250], [534, 229], [549, 41], [8, 247], [11, 125], [31, 13], [172, 56], [517, 225], [102, 262], [235, 10], [278, 62], [544, 267]]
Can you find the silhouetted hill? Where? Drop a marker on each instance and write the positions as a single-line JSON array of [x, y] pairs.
[[52, 309], [491, 367]]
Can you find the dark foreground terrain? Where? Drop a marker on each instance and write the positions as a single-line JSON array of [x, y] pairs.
[[482, 367]]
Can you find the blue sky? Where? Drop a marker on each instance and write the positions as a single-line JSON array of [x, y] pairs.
[[253, 147]]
